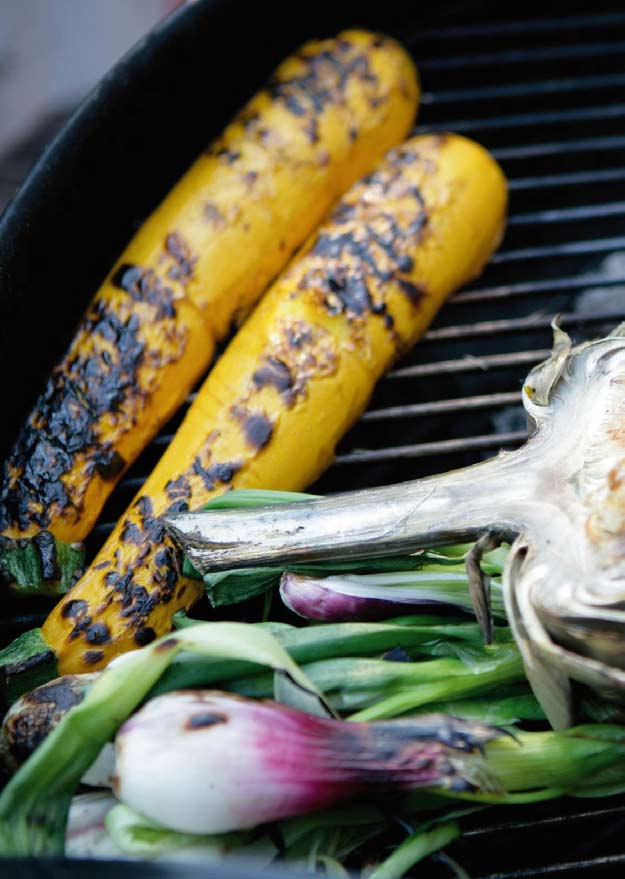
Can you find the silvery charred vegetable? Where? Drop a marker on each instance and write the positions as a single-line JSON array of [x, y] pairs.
[[561, 497], [209, 762]]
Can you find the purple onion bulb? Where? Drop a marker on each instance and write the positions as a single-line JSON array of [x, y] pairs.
[[209, 762]]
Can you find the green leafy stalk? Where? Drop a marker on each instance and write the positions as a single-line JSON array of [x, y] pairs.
[[499, 708], [35, 803], [501, 664], [40, 565], [362, 683], [419, 845], [317, 643]]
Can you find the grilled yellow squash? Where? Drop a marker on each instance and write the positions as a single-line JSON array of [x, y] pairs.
[[296, 376], [197, 265]]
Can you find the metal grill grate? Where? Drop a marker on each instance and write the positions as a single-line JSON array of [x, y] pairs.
[[546, 97]]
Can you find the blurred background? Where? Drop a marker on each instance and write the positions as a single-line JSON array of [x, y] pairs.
[[52, 52]]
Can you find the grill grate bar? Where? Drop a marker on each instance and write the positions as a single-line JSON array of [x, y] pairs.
[[427, 450], [470, 363], [567, 215], [535, 25], [563, 867], [513, 120], [544, 286], [604, 175], [134, 482], [524, 56], [524, 89], [596, 245], [519, 324], [559, 147], [506, 827], [458, 404]]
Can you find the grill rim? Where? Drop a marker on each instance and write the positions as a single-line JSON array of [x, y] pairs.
[[46, 166]]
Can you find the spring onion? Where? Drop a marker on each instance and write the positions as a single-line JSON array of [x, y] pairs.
[[379, 596], [209, 762]]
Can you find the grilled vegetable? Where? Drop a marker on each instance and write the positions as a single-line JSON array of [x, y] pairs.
[[588, 760], [295, 377], [287, 762], [561, 493], [377, 596], [35, 803], [341, 660], [197, 264]]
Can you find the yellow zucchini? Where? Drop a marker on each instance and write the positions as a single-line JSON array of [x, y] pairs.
[[296, 376], [200, 262]]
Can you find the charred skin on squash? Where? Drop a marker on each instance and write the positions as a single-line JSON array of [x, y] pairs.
[[296, 376], [199, 263]]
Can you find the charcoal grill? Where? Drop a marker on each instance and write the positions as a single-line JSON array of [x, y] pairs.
[[544, 89]]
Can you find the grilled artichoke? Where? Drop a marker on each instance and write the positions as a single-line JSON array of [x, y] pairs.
[[560, 499]]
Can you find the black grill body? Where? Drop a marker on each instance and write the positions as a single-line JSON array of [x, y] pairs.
[[543, 87]]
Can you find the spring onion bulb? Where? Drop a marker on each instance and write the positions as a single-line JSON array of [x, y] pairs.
[[379, 596], [210, 762]]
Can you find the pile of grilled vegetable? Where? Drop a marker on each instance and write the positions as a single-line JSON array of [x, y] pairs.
[[381, 703]]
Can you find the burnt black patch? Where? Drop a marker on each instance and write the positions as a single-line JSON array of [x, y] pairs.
[[224, 473], [227, 156], [273, 373], [102, 565], [412, 291], [94, 380], [178, 488], [350, 295], [90, 657], [62, 693], [132, 534], [257, 427], [127, 277], [312, 129], [183, 258], [44, 707], [97, 633], [210, 474], [109, 464], [405, 263], [46, 549], [15, 669], [205, 719], [298, 335], [321, 79], [144, 635], [213, 214], [293, 105], [74, 608]]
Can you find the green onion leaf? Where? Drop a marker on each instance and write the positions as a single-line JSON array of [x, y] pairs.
[[419, 845]]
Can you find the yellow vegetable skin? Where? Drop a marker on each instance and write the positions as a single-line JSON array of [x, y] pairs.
[[199, 262], [296, 376]]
